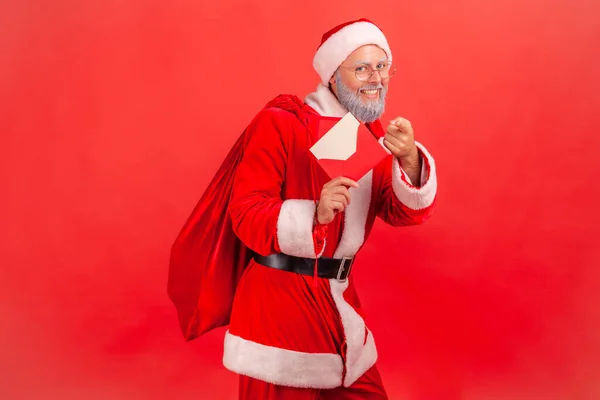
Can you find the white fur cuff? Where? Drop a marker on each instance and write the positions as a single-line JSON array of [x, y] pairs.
[[413, 197], [295, 228]]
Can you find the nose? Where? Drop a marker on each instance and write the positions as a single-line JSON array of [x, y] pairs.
[[375, 78]]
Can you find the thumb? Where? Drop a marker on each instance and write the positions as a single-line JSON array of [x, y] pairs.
[[384, 145]]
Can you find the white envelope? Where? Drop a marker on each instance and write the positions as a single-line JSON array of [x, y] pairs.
[[340, 142]]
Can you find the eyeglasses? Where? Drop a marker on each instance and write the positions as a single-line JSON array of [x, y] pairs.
[[364, 72]]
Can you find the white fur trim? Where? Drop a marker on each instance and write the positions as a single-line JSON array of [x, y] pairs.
[[367, 357], [341, 44], [355, 219], [361, 352], [280, 366], [359, 357], [413, 197], [295, 228], [325, 103]]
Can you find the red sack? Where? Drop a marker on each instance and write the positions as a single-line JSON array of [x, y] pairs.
[[207, 258]]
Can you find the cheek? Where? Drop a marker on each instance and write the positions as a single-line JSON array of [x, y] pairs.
[[351, 82], [354, 85]]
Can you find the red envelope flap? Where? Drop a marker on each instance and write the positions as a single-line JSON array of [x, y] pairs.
[[369, 153], [325, 125]]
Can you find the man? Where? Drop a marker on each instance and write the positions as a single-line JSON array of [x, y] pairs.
[[293, 335]]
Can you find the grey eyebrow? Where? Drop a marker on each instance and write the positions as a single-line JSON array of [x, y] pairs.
[[367, 63]]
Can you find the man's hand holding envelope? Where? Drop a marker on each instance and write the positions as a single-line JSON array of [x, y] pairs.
[[348, 150]]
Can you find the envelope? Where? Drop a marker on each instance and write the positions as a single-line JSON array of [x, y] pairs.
[[347, 148]]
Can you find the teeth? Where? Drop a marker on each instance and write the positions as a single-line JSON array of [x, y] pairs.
[[373, 91]]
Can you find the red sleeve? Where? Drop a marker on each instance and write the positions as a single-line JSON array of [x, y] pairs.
[[256, 193], [261, 218], [399, 202]]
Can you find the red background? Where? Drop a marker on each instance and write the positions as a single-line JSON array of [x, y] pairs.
[[115, 114]]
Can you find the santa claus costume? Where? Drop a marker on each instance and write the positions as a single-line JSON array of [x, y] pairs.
[[291, 335]]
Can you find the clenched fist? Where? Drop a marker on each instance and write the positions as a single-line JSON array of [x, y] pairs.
[[400, 139], [335, 197]]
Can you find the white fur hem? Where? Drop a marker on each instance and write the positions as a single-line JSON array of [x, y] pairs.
[[366, 359], [411, 196], [361, 353], [295, 228], [281, 366]]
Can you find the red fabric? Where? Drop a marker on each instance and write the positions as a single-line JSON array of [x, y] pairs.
[[319, 236], [391, 210], [271, 168], [257, 196], [333, 31], [279, 310], [368, 153], [368, 387], [269, 309], [207, 258], [278, 153]]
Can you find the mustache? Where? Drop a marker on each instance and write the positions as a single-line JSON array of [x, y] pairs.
[[371, 87]]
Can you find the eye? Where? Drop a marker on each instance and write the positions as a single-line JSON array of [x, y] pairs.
[[361, 69], [381, 65]]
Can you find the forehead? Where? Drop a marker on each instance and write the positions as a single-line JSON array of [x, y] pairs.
[[369, 53]]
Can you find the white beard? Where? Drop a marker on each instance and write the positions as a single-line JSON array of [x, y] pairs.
[[368, 112]]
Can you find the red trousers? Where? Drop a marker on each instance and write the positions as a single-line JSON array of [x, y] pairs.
[[367, 387]]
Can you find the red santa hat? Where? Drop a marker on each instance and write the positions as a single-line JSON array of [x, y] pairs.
[[341, 41]]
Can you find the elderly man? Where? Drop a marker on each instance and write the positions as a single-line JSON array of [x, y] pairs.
[[296, 332]]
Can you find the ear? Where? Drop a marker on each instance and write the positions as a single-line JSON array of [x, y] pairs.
[[332, 87], [333, 77]]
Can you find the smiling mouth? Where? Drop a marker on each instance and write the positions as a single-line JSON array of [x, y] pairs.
[[370, 92]]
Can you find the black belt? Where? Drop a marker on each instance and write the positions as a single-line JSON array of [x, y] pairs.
[[329, 268]]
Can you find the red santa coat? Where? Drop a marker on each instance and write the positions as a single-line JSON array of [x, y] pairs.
[[285, 328]]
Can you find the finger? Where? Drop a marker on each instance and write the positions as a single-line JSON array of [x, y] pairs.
[[331, 183], [393, 129], [340, 198], [401, 140], [342, 181], [400, 121], [391, 147], [341, 190], [398, 132], [394, 140], [347, 182], [403, 124], [336, 206]]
